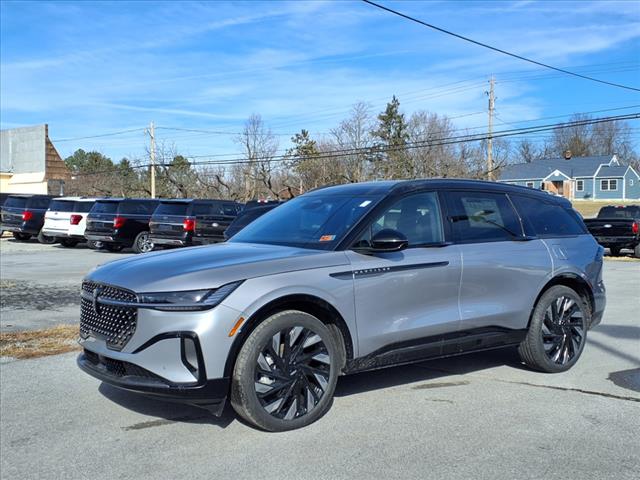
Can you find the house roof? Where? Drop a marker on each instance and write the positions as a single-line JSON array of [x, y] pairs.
[[574, 167], [612, 171]]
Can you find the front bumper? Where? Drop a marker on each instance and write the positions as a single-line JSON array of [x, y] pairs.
[[179, 356], [208, 394]]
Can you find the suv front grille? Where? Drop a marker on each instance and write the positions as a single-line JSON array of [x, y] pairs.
[[114, 324]]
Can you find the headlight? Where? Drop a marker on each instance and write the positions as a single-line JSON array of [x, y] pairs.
[[188, 300]]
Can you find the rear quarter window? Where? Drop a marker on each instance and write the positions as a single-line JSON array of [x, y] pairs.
[[212, 208], [105, 207], [41, 203], [83, 207], [137, 207], [546, 219]]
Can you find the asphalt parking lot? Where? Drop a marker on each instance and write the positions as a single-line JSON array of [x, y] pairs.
[[482, 416]]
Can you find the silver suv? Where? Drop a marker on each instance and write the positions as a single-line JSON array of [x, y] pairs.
[[340, 280]]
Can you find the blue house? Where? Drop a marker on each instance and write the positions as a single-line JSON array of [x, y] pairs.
[[577, 178]]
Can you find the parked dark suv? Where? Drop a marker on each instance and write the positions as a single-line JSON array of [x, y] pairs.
[[121, 222], [180, 222], [248, 215], [24, 216]]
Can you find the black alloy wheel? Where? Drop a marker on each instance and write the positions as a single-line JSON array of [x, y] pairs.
[[563, 330], [292, 373], [286, 371], [557, 332]]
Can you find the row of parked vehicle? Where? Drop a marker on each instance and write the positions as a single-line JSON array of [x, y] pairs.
[[117, 223]]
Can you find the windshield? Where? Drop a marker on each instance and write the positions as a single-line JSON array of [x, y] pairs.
[[105, 207], [317, 221], [172, 208]]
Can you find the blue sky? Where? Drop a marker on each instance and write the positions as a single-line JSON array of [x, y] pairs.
[[88, 68]]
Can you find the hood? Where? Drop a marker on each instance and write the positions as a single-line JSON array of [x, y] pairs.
[[209, 266]]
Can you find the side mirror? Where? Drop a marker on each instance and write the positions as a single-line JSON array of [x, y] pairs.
[[388, 240]]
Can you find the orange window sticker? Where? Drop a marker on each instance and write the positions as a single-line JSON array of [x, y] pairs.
[[327, 238]]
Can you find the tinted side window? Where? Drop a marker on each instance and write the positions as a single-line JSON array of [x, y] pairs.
[[39, 203], [83, 207], [138, 207], [105, 207], [546, 219], [229, 209], [417, 217], [482, 217]]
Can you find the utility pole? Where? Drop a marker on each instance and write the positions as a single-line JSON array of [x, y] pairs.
[[152, 153], [492, 105]]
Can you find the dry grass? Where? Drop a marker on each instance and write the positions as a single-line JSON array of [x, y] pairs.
[[589, 209], [621, 259], [39, 343]]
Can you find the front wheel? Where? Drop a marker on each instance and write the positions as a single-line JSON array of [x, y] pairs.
[[286, 372], [143, 243], [558, 331]]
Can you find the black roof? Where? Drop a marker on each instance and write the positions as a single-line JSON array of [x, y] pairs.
[[121, 199], [387, 187]]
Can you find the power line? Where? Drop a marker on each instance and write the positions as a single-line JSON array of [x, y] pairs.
[[99, 136], [331, 154], [495, 49]]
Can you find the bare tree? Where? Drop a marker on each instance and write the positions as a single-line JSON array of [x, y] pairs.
[[354, 133], [259, 147]]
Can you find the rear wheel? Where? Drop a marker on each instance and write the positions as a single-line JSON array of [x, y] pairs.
[[286, 372], [143, 243], [45, 239], [636, 251], [22, 237], [614, 251], [93, 245], [558, 331], [68, 242]]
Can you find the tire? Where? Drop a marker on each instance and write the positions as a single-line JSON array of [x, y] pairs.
[[555, 340], [93, 245], [22, 237], [636, 251], [45, 239], [68, 242], [112, 247], [142, 243], [614, 251], [306, 386]]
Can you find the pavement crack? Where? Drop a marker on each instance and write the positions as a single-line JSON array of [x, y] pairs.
[[440, 385], [569, 389]]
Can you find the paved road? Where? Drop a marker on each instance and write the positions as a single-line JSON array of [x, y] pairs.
[[41, 283], [481, 416]]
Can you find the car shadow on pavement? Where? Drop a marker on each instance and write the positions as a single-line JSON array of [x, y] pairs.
[[427, 371], [168, 412]]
